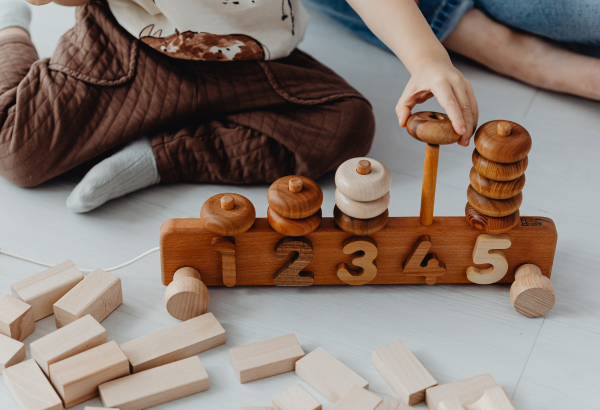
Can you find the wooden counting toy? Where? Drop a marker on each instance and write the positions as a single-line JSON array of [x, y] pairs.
[[362, 244]]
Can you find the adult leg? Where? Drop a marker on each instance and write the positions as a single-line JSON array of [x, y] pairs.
[[525, 57]]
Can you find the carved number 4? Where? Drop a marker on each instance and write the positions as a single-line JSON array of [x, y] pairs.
[[485, 251], [291, 273]]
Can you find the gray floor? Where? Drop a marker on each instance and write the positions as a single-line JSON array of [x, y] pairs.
[[456, 331]]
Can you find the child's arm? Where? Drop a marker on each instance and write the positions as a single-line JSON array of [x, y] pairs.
[[402, 27]]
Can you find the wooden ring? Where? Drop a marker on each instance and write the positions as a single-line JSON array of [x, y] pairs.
[[359, 187], [497, 171], [294, 227], [489, 224], [361, 210], [494, 207], [432, 128], [496, 189], [295, 205], [360, 227], [505, 149], [228, 222]]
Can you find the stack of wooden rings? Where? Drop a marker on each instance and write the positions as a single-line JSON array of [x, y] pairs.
[[294, 205], [225, 215], [498, 176], [362, 196]]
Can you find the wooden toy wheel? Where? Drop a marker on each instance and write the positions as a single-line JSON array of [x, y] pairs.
[[532, 294], [228, 214], [187, 296], [503, 141]]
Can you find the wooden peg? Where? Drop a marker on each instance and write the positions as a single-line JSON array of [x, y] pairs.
[[420, 262], [532, 294], [187, 296], [466, 391], [295, 185], [30, 388], [296, 398], [392, 403], [486, 252], [16, 318], [403, 372], [357, 398], [227, 202], [496, 189], [11, 352], [363, 167], [364, 251], [226, 247], [432, 153], [291, 273], [504, 128], [490, 224], [493, 399]]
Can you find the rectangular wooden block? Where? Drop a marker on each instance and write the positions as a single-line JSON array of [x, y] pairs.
[[328, 375], [267, 358], [77, 378], [79, 336], [493, 399], [185, 242], [30, 388], [11, 352], [16, 318], [403, 371], [357, 398], [392, 403], [97, 295], [44, 289], [296, 398], [174, 343], [467, 391], [156, 386]]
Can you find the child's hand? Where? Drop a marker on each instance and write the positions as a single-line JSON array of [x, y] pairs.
[[439, 78], [69, 3]]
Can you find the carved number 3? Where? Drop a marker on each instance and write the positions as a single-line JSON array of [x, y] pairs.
[[353, 245], [484, 252], [291, 274]]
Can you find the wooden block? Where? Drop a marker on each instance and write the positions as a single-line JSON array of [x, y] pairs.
[[451, 404], [185, 242], [420, 262], [364, 251], [296, 398], [361, 210], [493, 399], [99, 408], [76, 379], [174, 343], [267, 358], [11, 352], [44, 289], [392, 403], [16, 318], [327, 375], [30, 388], [298, 252], [357, 398], [156, 386], [466, 391], [486, 252], [79, 336], [403, 371], [97, 295]]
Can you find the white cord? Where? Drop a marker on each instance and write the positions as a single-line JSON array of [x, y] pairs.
[[47, 265]]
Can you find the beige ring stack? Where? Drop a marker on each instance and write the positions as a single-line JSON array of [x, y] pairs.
[[362, 196]]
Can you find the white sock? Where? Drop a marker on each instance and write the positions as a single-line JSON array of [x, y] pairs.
[[14, 13], [129, 170]]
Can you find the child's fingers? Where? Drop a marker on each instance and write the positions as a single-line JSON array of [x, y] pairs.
[[407, 102], [465, 107], [474, 105], [447, 99]]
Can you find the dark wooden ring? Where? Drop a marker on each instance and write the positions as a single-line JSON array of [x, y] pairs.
[[360, 227], [295, 205], [499, 148], [496, 189], [498, 171], [489, 224], [432, 128], [493, 207], [294, 227], [228, 222]]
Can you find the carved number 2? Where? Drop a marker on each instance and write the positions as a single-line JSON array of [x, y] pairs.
[[485, 252], [291, 273]]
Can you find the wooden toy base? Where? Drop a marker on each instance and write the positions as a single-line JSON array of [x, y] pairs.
[[186, 243]]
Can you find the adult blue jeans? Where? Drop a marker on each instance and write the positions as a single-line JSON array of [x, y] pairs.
[[576, 22]]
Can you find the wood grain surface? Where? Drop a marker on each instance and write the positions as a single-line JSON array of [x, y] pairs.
[[489, 224], [499, 148], [432, 153], [363, 187], [294, 227], [361, 210], [228, 222], [295, 205], [493, 207], [185, 242], [432, 128], [496, 189], [360, 227], [498, 171]]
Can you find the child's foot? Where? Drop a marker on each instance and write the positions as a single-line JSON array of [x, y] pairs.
[[13, 14], [129, 170]]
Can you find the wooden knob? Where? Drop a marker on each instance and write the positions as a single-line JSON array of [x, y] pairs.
[[496, 189], [227, 203], [187, 296], [504, 149], [295, 185], [432, 128], [363, 167], [504, 128], [295, 205], [532, 294]]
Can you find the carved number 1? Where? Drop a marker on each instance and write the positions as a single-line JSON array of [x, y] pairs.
[[291, 273]]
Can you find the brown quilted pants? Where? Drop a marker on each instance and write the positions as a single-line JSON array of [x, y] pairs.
[[228, 122]]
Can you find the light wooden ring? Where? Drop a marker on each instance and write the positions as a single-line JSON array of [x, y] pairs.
[[505, 149], [532, 294], [496, 189], [432, 128], [494, 207], [361, 210], [360, 227], [497, 171], [228, 222], [295, 205], [489, 224], [187, 296], [359, 187], [294, 227]]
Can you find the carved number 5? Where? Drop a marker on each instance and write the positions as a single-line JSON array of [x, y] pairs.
[[291, 274], [485, 252], [353, 246]]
